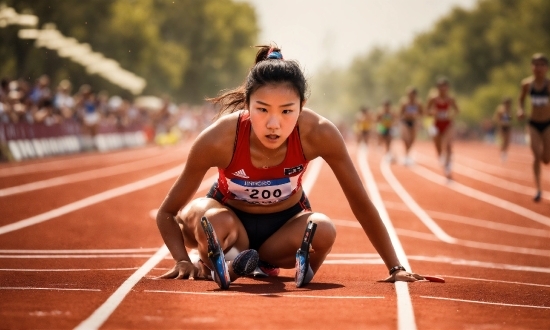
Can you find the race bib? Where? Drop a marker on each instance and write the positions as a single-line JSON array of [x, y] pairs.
[[262, 191], [442, 115]]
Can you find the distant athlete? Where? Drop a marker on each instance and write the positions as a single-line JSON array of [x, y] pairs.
[[385, 120], [503, 120], [411, 111], [443, 108], [537, 87], [363, 125]]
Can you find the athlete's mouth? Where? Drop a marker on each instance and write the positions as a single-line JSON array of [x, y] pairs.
[[272, 136]]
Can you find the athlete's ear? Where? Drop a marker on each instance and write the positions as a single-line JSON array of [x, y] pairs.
[[303, 104]]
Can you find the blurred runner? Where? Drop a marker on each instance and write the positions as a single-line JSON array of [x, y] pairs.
[[503, 120], [411, 111], [385, 120], [537, 87], [443, 108], [363, 125]]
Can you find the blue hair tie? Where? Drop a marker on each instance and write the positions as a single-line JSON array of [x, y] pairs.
[[275, 55]]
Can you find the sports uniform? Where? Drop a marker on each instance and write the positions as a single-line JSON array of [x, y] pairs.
[[411, 110], [241, 180], [442, 118], [539, 99], [386, 122]]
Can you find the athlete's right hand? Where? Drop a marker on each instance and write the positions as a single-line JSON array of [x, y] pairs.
[[187, 270], [521, 114]]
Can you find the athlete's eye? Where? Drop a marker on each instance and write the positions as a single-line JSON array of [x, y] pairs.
[[288, 111]]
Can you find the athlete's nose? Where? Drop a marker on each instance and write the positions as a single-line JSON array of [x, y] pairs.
[[273, 122]]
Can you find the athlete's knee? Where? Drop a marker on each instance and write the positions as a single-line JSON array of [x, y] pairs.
[[325, 234]]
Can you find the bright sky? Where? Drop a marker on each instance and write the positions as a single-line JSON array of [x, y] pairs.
[[315, 32]]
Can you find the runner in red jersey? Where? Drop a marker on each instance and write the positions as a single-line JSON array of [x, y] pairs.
[[443, 108], [261, 143]]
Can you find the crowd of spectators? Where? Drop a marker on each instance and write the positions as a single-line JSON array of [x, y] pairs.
[[40, 104]]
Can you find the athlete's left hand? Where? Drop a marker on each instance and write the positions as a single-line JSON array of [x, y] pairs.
[[403, 276]]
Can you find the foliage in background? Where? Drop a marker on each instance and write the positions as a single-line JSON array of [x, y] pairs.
[[186, 49], [485, 52]]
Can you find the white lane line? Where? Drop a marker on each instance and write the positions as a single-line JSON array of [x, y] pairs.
[[359, 260], [485, 302], [72, 256], [495, 281], [475, 222], [101, 197], [95, 251], [482, 166], [415, 208], [477, 245], [480, 264], [476, 194], [490, 179], [278, 295], [76, 162], [405, 312], [85, 176], [49, 289], [100, 315], [471, 244], [64, 269]]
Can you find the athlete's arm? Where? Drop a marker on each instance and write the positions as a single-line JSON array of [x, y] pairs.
[[322, 139], [523, 95], [429, 107], [212, 148]]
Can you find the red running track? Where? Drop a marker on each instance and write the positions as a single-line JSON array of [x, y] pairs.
[[79, 248]]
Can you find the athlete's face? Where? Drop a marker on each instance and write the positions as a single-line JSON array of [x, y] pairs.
[[443, 88], [539, 68], [274, 111]]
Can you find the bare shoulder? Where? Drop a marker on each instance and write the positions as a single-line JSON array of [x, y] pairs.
[[527, 81], [215, 143], [317, 134]]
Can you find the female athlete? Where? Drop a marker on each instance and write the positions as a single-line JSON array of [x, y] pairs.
[[503, 120], [537, 87], [261, 144], [411, 110], [443, 108], [363, 123], [385, 119]]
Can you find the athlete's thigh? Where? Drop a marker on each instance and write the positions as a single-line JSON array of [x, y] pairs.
[[405, 132], [545, 140], [285, 241], [536, 141]]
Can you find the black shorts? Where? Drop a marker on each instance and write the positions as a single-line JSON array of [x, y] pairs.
[[539, 126], [259, 227], [409, 123]]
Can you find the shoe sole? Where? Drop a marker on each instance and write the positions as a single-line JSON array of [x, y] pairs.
[[302, 256], [245, 262], [216, 256]]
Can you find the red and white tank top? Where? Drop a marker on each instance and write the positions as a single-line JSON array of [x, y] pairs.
[[442, 109], [243, 181]]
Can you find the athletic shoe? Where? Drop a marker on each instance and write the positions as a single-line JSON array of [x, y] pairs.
[[266, 270], [537, 196], [245, 262], [220, 273], [304, 273]]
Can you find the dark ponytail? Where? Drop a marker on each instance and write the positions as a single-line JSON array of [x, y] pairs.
[[269, 68]]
